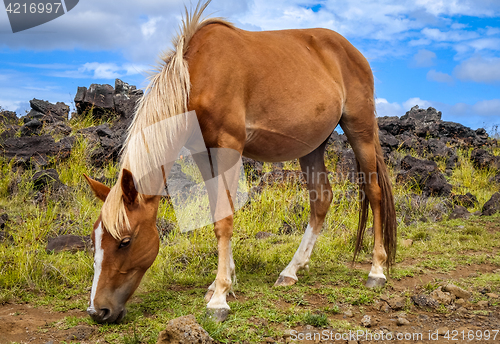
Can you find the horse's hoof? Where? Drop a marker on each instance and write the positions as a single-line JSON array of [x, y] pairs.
[[208, 296], [218, 314], [375, 282], [285, 281]]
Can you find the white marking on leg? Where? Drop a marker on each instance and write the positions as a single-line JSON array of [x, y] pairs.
[[301, 257], [212, 286], [98, 257], [377, 271], [232, 267], [218, 300]]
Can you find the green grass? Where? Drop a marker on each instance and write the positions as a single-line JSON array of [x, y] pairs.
[[175, 284]]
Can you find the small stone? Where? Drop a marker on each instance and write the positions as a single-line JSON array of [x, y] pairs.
[[348, 314], [492, 295], [382, 306], [462, 310], [460, 302], [270, 340], [483, 304], [423, 317], [384, 298], [485, 290], [442, 297], [263, 235], [4, 218], [442, 330], [397, 303], [423, 300], [407, 243], [402, 321], [366, 321], [80, 332], [457, 291]]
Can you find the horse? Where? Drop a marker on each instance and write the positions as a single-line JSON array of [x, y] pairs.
[[268, 95]]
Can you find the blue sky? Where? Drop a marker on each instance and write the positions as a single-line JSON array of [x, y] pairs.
[[440, 53]]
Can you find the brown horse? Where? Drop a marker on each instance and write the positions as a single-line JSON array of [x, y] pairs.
[[271, 96]]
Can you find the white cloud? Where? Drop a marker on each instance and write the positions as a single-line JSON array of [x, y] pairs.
[[17, 88], [433, 75], [11, 105], [484, 113], [460, 7], [486, 44], [479, 69], [424, 58], [487, 107], [458, 26], [135, 68], [384, 108], [142, 29], [101, 70], [449, 36], [149, 28], [418, 42], [423, 104], [491, 31], [97, 70]]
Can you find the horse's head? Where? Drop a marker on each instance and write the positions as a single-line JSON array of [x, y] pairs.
[[123, 252]]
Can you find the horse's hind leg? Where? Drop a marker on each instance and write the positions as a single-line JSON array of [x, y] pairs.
[[320, 197], [361, 131]]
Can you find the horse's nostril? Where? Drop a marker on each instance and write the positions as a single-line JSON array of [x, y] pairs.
[[105, 314]]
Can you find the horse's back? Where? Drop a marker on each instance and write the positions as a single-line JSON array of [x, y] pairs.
[[282, 90]]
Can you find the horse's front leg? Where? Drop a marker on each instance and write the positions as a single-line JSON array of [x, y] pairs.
[[217, 305], [211, 288]]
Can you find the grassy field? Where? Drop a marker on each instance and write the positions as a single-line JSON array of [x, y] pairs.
[[177, 281]]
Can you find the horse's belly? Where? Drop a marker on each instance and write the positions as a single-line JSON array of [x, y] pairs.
[[275, 145]]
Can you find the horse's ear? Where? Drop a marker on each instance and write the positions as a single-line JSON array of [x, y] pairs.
[[101, 191], [128, 187]]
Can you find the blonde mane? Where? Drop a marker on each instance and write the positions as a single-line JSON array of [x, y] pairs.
[[165, 97]]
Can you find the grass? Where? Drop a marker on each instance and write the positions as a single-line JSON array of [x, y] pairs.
[[175, 284]]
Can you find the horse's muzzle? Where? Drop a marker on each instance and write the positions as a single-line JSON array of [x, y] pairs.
[[105, 315]]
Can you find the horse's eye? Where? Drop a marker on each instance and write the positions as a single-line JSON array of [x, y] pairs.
[[124, 243]]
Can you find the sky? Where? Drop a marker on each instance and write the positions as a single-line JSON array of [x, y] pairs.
[[439, 53]]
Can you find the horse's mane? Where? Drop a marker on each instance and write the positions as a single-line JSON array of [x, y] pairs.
[[166, 96]]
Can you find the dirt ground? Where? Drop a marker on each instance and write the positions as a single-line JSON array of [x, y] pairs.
[[22, 323]]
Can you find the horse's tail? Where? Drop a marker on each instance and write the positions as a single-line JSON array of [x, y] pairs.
[[387, 209]]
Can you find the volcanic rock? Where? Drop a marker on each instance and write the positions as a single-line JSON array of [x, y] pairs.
[[492, 206], [37, 147], [425, 174], [459, 212], [8, 117], [184, 330], [44, 178], [71, 243]]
